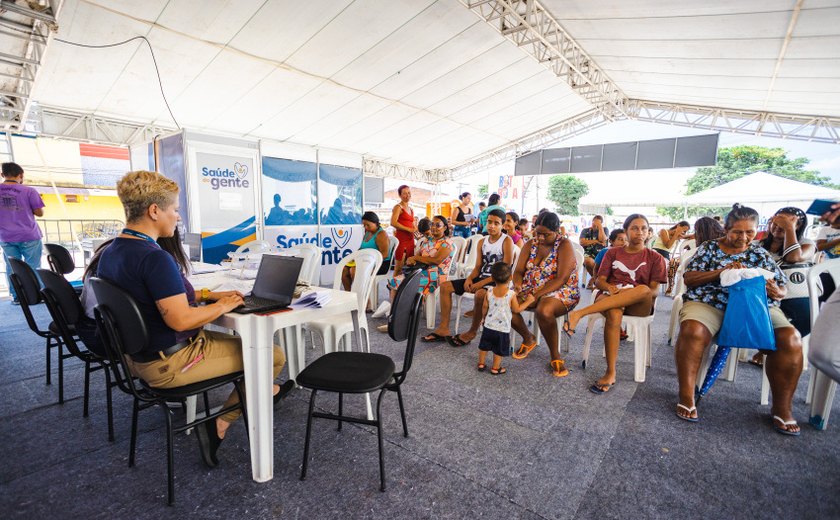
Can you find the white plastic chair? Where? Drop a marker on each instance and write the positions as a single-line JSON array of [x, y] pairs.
[[461, 244], [638, 331], [471, 296], [254, 246], [378, 279], [336, 330], [582, 272], [679, 290], [309, 271], [821, 388], [468, 258], [431, 298]]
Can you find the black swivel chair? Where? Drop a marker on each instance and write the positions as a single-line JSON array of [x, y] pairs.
[[123, 332], [67, 314], [28, 289], [61, 262], [363, 372]]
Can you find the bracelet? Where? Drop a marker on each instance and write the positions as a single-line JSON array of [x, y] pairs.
[[205, 294]]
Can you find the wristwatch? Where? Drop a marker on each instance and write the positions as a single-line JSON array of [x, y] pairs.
[[205, 294]]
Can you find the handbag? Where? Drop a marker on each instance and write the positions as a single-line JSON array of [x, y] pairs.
[[746, 321], [797, 278]]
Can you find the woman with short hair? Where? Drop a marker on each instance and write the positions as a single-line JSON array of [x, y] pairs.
[[179, 351], [702, 315]]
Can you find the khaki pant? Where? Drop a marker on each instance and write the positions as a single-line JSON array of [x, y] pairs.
[[218, 354]]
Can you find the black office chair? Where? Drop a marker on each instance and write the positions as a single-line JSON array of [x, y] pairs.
[[61, 262], [363, 372], [28, 289], [123, 332], [68, 315]]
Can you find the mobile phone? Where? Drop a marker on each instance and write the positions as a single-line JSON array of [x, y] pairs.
[[820, 206]]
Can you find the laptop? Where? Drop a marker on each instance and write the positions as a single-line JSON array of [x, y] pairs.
[[274, 286]]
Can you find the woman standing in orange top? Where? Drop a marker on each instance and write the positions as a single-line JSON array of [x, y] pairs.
[[402, 219]]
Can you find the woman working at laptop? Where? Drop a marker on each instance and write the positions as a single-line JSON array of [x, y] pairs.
[[179, 352]]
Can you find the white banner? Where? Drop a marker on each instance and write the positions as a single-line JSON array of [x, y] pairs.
[[225, 189], [335, 242]]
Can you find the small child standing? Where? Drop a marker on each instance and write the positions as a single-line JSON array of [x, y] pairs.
[[498, 310]]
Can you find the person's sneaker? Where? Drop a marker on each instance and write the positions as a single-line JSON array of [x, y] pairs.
[[15, 302], [383, 310]]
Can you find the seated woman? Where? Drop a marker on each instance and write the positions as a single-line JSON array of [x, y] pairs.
[[375, 238], [666, 238], [546, 270], [707, 228], [435, 258], [627, 281], [701, 317], [179, 351], [794, 254], [511, 227]]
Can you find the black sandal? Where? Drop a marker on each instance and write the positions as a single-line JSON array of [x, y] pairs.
[[498, 371]]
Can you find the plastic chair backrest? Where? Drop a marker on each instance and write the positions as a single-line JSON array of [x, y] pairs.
[[121, 328], [405, 318], [461, 245], [30, 287], [472, 251], [832, 267], [254, 246], [679, 283], [311, 255], [59, 259], [64, 306], [367, 264], [578, 257]]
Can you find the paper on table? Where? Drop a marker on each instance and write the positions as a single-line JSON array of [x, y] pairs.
[[311, 300], [203, 268]]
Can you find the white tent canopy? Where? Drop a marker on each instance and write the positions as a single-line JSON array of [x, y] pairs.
[[425, 83], [760, 188]]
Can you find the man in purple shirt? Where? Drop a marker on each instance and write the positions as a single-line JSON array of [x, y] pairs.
[[20, 236]]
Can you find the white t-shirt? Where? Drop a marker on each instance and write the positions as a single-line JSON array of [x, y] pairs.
[[499, 313], [829, 233]]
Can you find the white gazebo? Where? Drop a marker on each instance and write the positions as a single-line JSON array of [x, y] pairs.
[[763, 191]]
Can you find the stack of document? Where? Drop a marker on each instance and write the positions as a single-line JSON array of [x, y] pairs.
[[311, 300]]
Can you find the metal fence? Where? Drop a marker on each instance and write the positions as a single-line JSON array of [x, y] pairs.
[[77, 235]]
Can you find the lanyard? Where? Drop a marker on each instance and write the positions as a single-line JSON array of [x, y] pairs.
[[138, 234]]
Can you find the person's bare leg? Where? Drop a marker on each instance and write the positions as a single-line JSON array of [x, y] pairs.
[[445, 298], [612, 333], [519, 325], [223, 425], [482, 356], [547, 311], [784, 366], [694, 338], [480, 296], [620, 300], [347, 275]]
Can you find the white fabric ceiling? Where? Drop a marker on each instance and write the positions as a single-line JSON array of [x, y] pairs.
[[424, 82]]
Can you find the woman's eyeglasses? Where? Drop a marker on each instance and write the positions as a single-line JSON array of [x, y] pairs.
[[437, 224]]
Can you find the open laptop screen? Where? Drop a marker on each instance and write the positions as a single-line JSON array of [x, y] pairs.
[[277, 277]]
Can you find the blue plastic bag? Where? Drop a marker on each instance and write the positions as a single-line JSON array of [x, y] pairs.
[[746, 322]]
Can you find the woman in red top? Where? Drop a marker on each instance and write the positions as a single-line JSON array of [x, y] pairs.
[[627, 279], [402, 219]]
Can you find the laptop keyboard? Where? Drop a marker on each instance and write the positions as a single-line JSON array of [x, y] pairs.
[[255, 301]]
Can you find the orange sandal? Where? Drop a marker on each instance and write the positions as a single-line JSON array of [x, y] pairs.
[[523, 350], [558, 368]]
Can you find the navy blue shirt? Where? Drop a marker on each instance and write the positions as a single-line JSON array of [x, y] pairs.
[[148, 274]]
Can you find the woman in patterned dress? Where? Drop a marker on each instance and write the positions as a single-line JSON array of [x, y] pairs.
[[546, 270], [702, 314], [435, 257]]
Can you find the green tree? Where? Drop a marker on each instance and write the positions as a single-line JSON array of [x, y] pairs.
[[736, 162], [565, 191], [483, 191]]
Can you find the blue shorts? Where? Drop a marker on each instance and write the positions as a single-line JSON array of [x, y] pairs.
[[495, 341]]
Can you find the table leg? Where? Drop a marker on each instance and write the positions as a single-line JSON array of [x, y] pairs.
[[258, 361]]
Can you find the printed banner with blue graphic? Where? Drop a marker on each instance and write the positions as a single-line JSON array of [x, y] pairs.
[[335, 242], [226, 194]]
